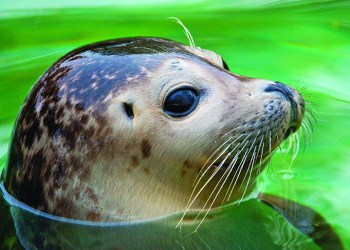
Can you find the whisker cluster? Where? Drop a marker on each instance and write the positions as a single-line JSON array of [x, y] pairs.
[[234, 151], [238, 158]]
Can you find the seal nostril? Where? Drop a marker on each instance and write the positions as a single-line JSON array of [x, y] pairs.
[[287, 93], [289, 131], [281, 88]]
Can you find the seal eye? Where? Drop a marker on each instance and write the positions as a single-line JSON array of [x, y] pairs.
[[181, 102]]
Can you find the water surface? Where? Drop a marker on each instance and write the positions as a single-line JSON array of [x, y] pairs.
[[302, 44]]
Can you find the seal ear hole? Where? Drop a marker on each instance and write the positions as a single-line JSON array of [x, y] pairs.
[[128, 110]]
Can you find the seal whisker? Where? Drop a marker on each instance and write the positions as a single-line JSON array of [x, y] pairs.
[[309, 95], [309, 111], [206, 244], [311, 104], [308, 130], [211, 177], [278, 142], [215, 160], [227, 174], [232, 164], [290, 141], [187, 32], [292, 145], [239, 169], [304, 129], [309, 122], [250, 168], [269, 138], [191, 201], [212, 155], [217, 193], [237, 175], [216, 170], [261, 146], [253, 144], [229, 132], [297, 146], [270, 143], [303, 137]]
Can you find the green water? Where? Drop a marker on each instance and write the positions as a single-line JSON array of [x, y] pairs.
[[302, 44]]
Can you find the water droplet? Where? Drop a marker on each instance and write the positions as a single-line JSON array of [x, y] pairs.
[[285, 174]]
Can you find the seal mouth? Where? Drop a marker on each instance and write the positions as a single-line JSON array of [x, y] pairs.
[[240, 164], [235, 164], [221, 165]]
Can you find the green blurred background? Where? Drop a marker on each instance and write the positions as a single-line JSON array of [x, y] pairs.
[[301, 43]]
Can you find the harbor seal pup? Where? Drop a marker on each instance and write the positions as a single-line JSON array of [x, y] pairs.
[[138, 128]]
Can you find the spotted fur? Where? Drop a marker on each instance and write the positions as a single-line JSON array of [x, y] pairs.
[[77, 152]]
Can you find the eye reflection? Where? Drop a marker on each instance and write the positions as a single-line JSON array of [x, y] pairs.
[[181, 102]]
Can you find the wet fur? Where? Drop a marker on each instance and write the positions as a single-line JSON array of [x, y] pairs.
[[76, 153]]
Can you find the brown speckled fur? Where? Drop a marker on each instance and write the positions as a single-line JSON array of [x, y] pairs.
[[62, 121], [75, 153]]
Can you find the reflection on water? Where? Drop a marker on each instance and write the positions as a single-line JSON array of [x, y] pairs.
[[251, 225]]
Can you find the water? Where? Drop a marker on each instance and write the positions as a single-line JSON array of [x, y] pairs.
[[38, 230], [304, 45]]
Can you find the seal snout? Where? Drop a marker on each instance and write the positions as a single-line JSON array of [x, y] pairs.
[[290, 95], [285, 91]]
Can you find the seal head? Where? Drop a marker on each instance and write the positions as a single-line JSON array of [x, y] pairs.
[[142, 127]]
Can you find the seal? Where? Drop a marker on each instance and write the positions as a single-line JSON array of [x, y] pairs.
[[136, 128]]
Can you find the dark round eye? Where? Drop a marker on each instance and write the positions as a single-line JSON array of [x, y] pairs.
[[181, 102]]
